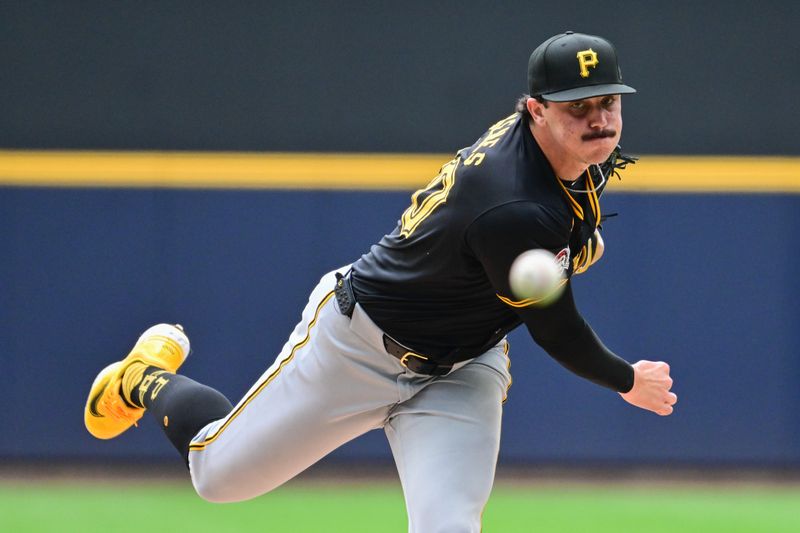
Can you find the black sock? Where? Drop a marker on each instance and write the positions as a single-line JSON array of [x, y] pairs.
[[180, 405]]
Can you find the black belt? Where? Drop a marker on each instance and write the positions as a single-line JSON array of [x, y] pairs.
[[416, 362]]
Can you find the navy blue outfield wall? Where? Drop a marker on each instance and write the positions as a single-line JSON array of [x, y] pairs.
[[707, 282]]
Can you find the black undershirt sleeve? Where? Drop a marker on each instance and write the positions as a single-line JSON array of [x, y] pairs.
[[563, 333], [497, 238]]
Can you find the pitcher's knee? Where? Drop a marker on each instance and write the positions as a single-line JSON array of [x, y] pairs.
[[223, 486], [216, 490]]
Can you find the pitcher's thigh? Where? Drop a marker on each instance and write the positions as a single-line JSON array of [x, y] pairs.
[[312, 400], [445, 441]]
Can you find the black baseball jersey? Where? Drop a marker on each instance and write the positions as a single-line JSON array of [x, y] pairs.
[[439, 282]]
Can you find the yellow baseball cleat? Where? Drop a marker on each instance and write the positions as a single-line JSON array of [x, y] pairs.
[[107, 413]]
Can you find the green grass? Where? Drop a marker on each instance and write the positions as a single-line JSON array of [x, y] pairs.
[[378, 508]]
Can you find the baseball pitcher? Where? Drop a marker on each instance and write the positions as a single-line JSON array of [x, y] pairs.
[[411, 337]]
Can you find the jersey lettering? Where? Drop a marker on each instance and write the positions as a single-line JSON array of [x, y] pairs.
[[490, 139], [425, 201]]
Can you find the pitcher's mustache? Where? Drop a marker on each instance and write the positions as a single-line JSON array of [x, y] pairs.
[[602, 134]]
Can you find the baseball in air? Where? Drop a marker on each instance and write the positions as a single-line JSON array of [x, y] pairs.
[[536, 275]]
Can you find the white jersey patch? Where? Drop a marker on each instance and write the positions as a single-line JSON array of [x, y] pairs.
[[562, 259]]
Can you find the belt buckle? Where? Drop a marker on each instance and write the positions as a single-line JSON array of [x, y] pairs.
[[404, 359]]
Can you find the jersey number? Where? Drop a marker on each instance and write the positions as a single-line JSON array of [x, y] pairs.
[[425, 201]]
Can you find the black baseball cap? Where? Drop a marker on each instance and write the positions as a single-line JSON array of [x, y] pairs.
[[572, 66]]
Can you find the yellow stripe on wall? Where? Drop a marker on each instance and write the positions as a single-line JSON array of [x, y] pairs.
[[360, 171], [217, 170], [711, 174]]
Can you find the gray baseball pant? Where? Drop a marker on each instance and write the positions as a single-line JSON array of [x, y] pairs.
[[334, 381]]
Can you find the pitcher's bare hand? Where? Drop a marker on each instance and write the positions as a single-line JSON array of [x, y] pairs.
[[651, 388]]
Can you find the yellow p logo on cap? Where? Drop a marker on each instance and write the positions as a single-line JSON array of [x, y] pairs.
[[586, 59]]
